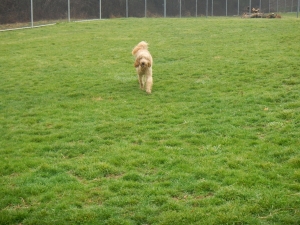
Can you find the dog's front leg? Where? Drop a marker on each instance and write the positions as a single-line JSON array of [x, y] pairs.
[[149, 83], [141, 82]]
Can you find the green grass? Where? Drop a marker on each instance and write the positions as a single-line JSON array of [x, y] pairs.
[[217, 142]]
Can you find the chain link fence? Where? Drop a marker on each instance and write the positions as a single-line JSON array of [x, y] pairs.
[[30, 13]]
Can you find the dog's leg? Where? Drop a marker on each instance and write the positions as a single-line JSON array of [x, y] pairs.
[[141, 82], [149, 83]]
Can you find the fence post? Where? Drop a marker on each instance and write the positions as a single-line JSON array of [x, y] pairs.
[[145, 8], [126, 8], [69, 13], [206, 10], [165, 8], [100, 9], [226, 7], [196, 7], [259, 5], [31, 13], [238, 12], [212, 7], [250, 10], [298, 8], [285, 6], [180, 9]]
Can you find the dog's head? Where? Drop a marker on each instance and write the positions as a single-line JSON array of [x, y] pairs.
[[143, 62]]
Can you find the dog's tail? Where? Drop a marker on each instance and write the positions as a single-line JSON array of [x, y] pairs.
[[141, 45]]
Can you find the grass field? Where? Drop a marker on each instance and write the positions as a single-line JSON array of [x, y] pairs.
[[217, 142]]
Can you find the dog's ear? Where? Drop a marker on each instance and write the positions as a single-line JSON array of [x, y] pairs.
[[149, 64], [136, 63]]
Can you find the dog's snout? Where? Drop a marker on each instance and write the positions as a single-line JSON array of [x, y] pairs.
[[143, 64]]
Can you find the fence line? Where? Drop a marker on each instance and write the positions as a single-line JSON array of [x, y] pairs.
[[178, 4]]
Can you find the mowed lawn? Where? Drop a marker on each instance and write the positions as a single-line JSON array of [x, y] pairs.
[[217, 142]]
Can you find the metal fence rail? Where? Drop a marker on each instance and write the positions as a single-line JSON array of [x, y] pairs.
[[31, 13]]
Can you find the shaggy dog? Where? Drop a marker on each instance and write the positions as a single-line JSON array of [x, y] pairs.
[[143, 64]]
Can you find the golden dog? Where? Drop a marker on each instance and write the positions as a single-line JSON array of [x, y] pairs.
[[143, 64]]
